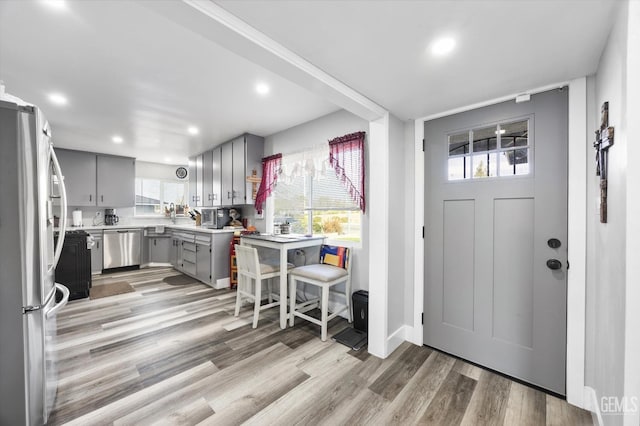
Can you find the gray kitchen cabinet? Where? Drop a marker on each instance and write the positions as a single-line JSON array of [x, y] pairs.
[[116, 181], [79, 171], [203, 262], [193, 179], [226, 154], [216, 176], [98, 180], [96, 252], [239, 159], [211, 178], [199, 180], [238, 174], [174, 253], [160, 249]]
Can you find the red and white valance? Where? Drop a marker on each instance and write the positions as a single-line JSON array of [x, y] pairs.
[[346, 156]]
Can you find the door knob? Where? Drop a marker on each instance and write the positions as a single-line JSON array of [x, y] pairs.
[[554, 243], [554, 264]]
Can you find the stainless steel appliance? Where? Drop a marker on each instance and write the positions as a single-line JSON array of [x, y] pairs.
[[121, 248], [110, 217], [215, 218], [30, 177]]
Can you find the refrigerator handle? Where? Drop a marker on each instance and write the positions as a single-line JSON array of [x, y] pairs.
[[63, 208], [61, 304]]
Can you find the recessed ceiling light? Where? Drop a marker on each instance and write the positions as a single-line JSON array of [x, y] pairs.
[[193, 130], [55, 4], [167, 159], [117, 139], [262, 88], [442, 46], [502, 131], [57, 99]]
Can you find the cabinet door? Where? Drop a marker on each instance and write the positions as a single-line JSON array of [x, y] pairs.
[[239, 173], [193, 181], [96, 254], [216, 176], [173, 252], [116, 181], [79, 171], [254, 151], [199, 179], [227, 174], [159, 249], [207, 179], [203, 262]]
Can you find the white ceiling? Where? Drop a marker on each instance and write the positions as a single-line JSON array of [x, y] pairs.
[[130, 69], [379, 48]]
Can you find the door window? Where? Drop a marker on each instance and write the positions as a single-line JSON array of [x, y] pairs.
[[497, 151]]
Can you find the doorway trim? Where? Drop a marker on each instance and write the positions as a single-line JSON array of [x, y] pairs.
[[577, 228]]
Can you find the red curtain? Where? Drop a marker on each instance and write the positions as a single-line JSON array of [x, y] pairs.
[[346, 156], [270, 171]]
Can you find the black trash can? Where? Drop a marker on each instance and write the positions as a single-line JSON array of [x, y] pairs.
[[361, 310]]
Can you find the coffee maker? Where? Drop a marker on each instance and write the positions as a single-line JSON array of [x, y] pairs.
[[110, 217]]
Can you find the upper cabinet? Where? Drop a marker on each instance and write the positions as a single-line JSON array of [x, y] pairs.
[[97, 180], [212, 185], [79, 171], [116, 181], [219, 177]]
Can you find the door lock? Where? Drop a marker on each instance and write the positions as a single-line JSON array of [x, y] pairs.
[[554, 264]]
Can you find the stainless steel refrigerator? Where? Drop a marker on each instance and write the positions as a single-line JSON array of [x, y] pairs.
[[29, 173]]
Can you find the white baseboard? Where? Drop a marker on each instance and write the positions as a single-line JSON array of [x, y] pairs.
[[222, 283], [591, 404], [396, 338]]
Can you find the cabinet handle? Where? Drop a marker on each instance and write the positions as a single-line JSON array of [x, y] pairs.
[[215, 197], [90, 197], [228, 194], [154, 241], [97, 244], [102, 198]]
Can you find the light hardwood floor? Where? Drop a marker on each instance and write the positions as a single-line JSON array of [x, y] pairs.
[[175, 354]]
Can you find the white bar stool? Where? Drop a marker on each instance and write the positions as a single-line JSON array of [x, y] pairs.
[[324, 276], [250, 275]]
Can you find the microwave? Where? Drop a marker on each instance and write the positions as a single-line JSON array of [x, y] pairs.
[[215, 218]]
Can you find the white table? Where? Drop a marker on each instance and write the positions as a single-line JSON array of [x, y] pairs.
[[283, 243]]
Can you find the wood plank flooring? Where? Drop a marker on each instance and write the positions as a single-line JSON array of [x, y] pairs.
[[175, 354]]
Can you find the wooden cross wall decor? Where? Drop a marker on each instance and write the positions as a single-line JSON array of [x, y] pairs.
[[604, 141]]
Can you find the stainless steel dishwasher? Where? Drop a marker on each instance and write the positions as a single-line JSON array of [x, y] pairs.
[[122, 247]]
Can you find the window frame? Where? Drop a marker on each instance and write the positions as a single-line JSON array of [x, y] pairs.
[[310, 210], [162, 189], [498, 150]]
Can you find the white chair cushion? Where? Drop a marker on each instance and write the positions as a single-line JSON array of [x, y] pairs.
[[319, 272], [270, 267]]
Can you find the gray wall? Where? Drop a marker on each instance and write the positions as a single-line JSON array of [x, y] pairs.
[[316, 132], [606, 243], [397, 277]]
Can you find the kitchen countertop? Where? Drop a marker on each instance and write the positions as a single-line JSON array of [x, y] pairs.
[[191, 228]]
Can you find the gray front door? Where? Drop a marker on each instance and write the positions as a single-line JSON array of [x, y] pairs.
[[495, 194]]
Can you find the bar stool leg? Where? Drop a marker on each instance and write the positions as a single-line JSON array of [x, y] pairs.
[[258, 299], [325, 311], [292, 299], [238, 295]]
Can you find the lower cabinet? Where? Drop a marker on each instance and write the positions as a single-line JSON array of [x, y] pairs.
[[202, 255], [160, 249], [96, 252], [203, 262]]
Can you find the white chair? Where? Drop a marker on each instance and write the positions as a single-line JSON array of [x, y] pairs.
[[331, 271], [250, 275]]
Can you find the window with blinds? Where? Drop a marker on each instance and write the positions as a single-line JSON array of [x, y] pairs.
[[311, 198]]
